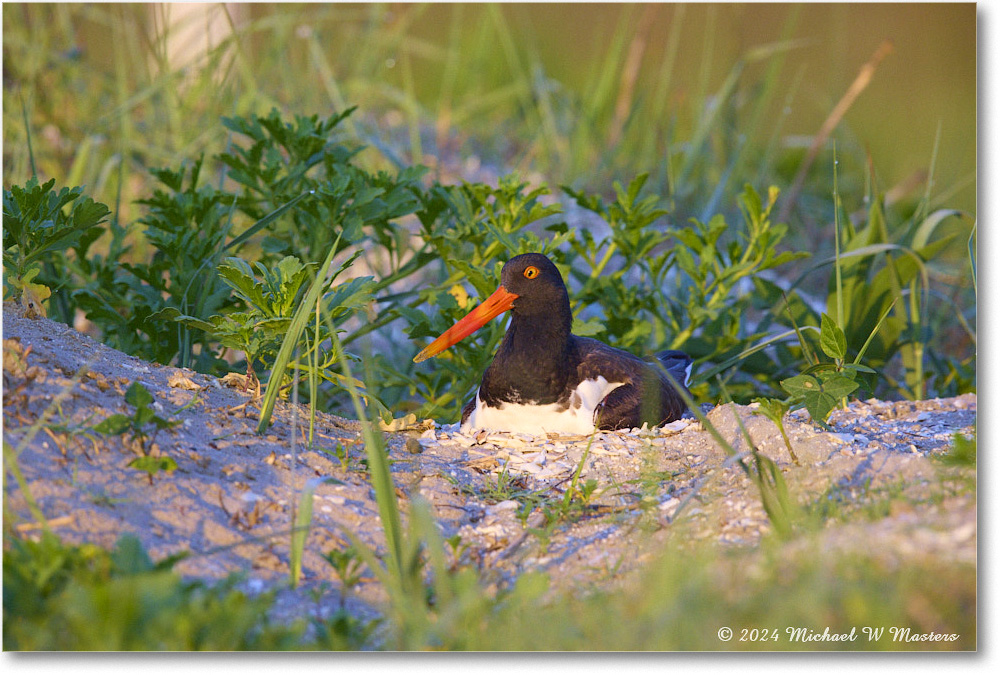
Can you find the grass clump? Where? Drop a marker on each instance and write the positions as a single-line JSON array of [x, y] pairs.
[[59, 597], [683, 599]]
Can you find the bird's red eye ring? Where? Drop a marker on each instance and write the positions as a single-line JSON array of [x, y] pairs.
[[530, 272]]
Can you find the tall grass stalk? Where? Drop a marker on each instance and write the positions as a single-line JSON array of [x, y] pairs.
[[301, 515], [836, 243]]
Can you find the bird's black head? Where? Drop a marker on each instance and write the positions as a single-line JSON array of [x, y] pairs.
[[533, 290], [537, 283]]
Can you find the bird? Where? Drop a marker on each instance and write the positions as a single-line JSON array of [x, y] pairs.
[[545, 379]]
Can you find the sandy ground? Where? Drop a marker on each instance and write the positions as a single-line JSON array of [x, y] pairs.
[[231, 499]]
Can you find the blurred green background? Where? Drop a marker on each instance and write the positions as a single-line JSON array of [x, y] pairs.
[[540, 86]]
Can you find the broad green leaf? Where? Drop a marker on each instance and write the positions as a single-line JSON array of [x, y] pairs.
[[837, 385], [173, 314], [153, 465], [588, 328], [351, 294], [832, 339], [801, 385], [138, 396], [819, 404], [114, 425]]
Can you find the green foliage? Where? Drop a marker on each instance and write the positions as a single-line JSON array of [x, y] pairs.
[[820, 394], [136, 426], [186, 225], [962, 453], [153, 465], [59, 597], [348, 567], [39, 226], [642, 284], [775, 410], [628, 269], [883, 297], [832, 382], [285, 160], [270, 304]]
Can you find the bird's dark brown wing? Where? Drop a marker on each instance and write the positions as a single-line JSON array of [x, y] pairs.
[[645, 396]]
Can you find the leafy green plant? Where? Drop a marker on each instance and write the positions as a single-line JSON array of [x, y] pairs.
[[270, 304], [708, 314], [136, 425], [880, 291], [832, 383], [691, 296], [775, 410], [153, 465], [59, 597], [149, 461], [40, 224], [348, 567], [629, 315], [186, 226]]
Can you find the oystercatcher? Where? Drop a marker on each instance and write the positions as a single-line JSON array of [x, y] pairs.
[[544, 378]]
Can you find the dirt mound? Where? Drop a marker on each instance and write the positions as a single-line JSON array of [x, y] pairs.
[[230, 500]]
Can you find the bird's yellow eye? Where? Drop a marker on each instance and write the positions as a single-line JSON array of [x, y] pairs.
[[530, 272]]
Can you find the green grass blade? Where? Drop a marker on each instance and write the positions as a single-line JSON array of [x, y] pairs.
[[301, 525], [836, 242], [267, 220], [871, 337], [378, 465], [298, 324], [729, 363]]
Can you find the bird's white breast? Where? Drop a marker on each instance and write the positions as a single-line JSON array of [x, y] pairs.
[[576, 417]]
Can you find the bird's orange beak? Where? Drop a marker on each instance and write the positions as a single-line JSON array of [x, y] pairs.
[[491, 307]]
